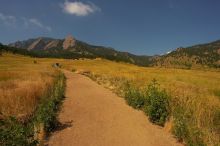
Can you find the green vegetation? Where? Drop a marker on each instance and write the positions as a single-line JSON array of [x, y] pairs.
[[160, 107], [47, 111], [14, 132], [157, 104], [153, 101], [133, 96]]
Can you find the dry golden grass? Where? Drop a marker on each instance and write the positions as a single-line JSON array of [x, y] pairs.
[[197, 91], [179, 81], [22, 83]]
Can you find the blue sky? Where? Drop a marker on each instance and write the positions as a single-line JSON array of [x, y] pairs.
[[137, 26]]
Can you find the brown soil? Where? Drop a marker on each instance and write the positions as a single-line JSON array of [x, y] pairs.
[[94, 116]]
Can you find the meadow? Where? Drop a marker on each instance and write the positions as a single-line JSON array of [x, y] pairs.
[[195, 102], [194, 115], [30, 95], [22, 83]]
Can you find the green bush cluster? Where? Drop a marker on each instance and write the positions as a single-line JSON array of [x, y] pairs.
[[157, 104], [152, 100], [15, 133], [133, 96]]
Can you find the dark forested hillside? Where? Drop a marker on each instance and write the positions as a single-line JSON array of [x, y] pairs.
[[204, 55]]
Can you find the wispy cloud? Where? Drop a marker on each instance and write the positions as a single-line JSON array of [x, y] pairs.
[[7, 19], [17, 22], [35, 22], [79, 8]]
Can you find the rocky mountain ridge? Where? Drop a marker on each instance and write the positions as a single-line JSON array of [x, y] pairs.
[[203, 55], [73, 48]]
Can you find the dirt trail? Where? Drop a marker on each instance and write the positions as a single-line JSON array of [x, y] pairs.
[[93, 116]]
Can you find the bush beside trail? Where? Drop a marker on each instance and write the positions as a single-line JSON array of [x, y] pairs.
[[152, 100]]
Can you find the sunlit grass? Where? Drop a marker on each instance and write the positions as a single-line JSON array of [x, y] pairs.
[[22, 84], [195, 91]]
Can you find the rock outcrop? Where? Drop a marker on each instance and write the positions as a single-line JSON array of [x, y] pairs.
[[52, 44], [69, 42], [37, 45]]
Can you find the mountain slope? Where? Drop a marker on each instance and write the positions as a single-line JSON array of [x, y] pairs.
[[203, 55], [72, 48]]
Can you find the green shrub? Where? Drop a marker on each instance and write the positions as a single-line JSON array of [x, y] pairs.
[[156, 103], [133, 96], [153, 101]]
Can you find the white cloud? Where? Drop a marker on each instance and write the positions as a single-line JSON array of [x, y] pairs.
[[35, 22], [7, 19], [79, 8]]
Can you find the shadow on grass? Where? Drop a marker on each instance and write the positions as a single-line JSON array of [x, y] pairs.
[[60, 127]]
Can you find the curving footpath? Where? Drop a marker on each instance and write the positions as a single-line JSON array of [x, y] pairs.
[[94, 116]]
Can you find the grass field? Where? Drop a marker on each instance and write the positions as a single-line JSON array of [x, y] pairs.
[[195, 103], [30, 96], [22, 83]]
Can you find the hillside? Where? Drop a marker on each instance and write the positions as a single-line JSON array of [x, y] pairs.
[[72, 48], [205, 55], [198, 56]]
